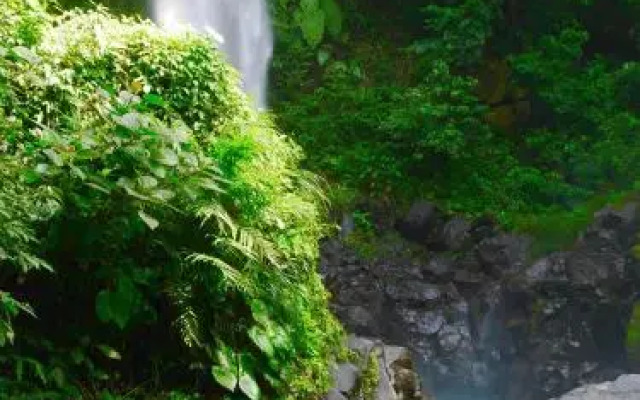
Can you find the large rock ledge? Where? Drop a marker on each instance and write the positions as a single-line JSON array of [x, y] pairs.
[[626, 387]]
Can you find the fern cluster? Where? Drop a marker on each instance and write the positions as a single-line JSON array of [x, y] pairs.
[[135, 169]]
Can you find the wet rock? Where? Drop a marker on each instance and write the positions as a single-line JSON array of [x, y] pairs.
[[456, 234], [487, 318], [414, 291], [420, 222], [334, 394], [465, 276], [362, 346], [398, 379], [428, 323], [626, 387], [439, 267], [404, 382], [550, 269], [345, 377], [360, 319], [454, 338], [503, 253]]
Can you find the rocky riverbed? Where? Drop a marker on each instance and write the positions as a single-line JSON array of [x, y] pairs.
[[480, 316]]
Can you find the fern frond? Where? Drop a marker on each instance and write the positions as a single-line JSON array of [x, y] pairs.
[[219, 215], [231, 275]]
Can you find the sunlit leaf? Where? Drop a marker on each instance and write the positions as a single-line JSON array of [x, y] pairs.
[[225, 377], [27, 54], [168, 157], [54, 157], [151, 222], [249, 386], [260, 338], [148, 182], [109, 352]]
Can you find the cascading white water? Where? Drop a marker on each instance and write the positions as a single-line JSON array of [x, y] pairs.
[[244, 27]]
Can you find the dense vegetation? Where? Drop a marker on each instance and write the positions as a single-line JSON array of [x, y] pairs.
[[524, 110], [157, 232]]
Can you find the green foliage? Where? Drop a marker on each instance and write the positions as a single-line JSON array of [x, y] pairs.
[[310, 20], [458, 31], [398, 114], [136, 170], [368, 383], [633, 334]]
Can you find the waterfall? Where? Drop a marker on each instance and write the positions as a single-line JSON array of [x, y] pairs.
[[243, 28]]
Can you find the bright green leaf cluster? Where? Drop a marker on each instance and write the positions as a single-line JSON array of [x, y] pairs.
[[134, 167]]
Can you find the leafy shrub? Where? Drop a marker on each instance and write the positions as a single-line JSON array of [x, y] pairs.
[[525, 111], [136, 170]]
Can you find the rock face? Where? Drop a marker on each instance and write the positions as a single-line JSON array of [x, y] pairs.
[[626, 387], [481, 318], [397, 378]]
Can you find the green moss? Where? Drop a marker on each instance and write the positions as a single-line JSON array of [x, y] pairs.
[[558, 229], [369, 379], [633, 335]]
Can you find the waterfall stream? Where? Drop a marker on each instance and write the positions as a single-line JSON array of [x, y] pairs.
[[243, 27]]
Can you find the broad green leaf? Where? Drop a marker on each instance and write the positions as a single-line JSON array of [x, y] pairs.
[[27, 54], [34, 4], [209, 184], [103, 309], [117, 306], [54, 157], [78, 172], [42, 168], [281, 338], [160, 172], [273, 381], [153, 99], [226, 356], [333, 16], [225, 376], [260, 312], [37, 367], [148, 182], [151, 222], [169, 157], [249, 387], [58, 376], [312, 24], [323, 56], [30, 176], [77, 356], [98, 187], [109, 352], [163, 194], [19, 369], [260, 338], [129, 120]]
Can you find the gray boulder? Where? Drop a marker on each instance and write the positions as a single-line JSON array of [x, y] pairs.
[[626, 387], [345, 377]]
